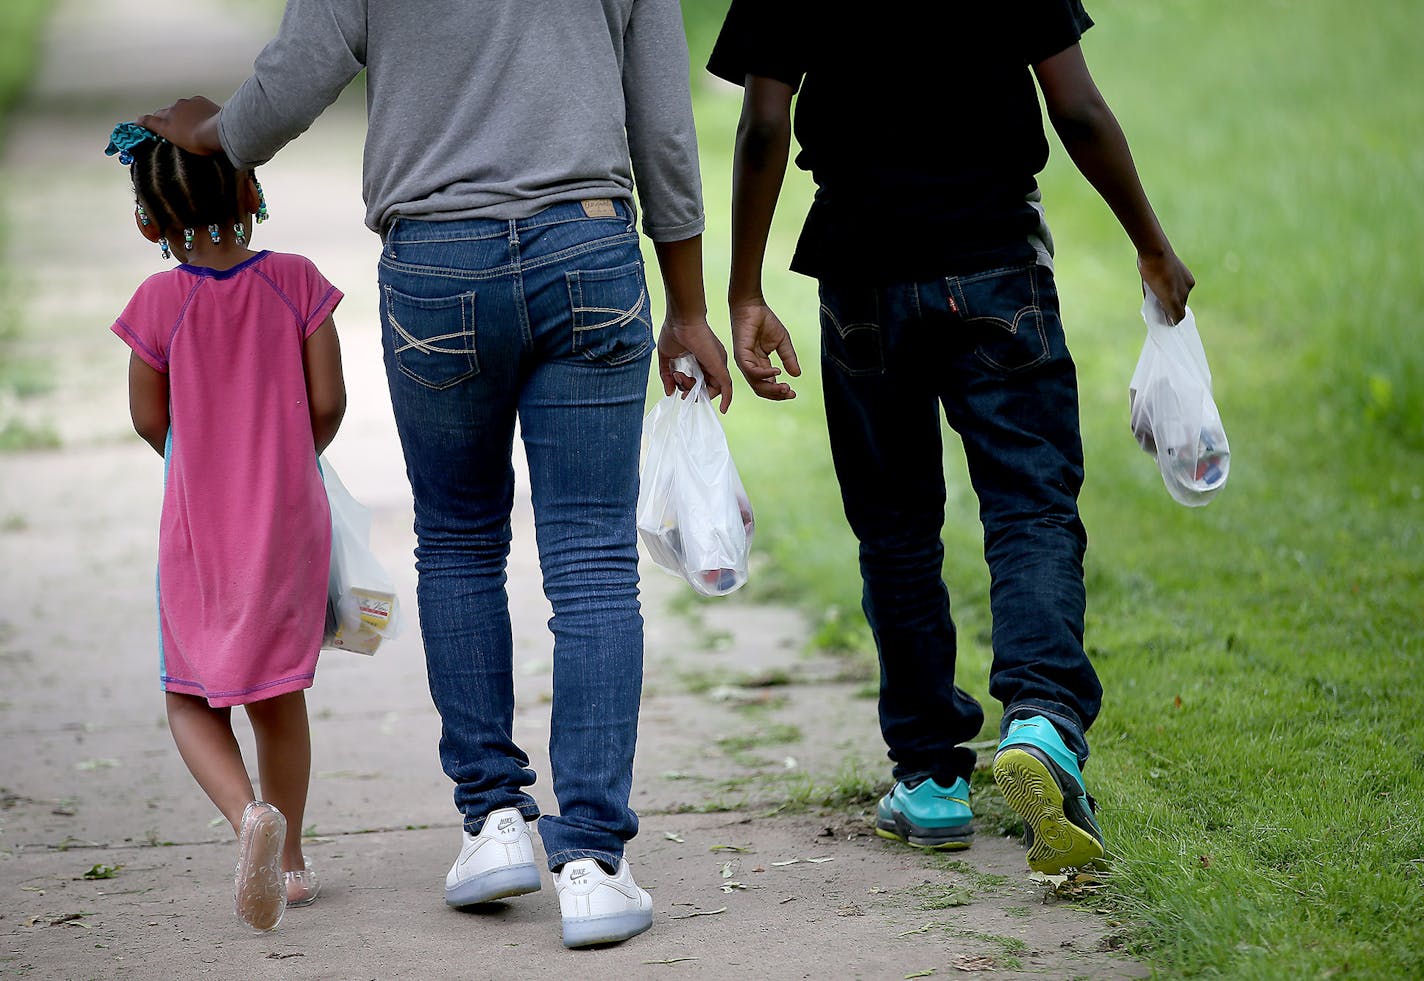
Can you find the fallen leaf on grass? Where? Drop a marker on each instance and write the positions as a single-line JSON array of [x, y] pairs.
[[700, 912], [920, 974], [673, 836], [98, 871], [672, 960], [726, 870], [728, 848], [973, 964], [1072, 885], [789, 861]]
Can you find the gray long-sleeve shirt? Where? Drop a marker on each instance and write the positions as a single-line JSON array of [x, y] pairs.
[[488, 108]]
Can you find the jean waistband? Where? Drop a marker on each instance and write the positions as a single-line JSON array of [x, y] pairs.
[[403, 229]]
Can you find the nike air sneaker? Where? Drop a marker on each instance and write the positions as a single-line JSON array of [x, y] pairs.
[[599, 908], [927, 815], [496, 863], [1041, 781]]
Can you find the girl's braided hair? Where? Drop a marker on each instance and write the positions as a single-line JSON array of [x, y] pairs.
[[179, 189]]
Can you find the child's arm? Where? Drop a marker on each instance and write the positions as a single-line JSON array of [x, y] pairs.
[[1093, 138], [326, 388], [763, 145], [148, 402]]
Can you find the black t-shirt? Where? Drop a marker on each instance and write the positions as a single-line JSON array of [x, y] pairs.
[[919, 122]]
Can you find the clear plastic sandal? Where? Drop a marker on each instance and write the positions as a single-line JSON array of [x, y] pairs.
[[259, 889], [307, 885]]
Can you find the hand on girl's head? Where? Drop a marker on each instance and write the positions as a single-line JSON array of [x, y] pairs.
[[190, 123]]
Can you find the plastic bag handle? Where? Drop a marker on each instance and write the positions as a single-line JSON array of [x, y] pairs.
[[687, 364]]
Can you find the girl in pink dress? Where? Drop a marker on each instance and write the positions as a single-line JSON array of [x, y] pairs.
[[235, 379]]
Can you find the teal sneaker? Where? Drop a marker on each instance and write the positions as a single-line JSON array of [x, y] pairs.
[[1041, 781], [927, 815]]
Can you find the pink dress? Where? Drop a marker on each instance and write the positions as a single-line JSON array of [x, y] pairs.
[[244, 543]]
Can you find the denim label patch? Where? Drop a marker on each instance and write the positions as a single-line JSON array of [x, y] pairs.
[[599, 208]]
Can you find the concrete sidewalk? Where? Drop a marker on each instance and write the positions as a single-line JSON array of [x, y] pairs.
[[90, 783]]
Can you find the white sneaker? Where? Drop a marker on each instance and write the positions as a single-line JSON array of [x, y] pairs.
[[599, 908], [494, 864]]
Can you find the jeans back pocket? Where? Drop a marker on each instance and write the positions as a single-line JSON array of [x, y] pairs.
[[1004, 309], [432, 338], [610, 313], [850, 330]]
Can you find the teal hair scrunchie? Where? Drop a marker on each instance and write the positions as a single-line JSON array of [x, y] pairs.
[[124, 138]]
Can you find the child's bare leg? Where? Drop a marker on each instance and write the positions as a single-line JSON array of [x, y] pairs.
[[284, 763], [207, 745]]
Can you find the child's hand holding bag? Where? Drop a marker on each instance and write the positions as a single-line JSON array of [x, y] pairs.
[[1172, 412]]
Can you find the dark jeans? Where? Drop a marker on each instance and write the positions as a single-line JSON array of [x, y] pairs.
[[989, 349], [544, 319]]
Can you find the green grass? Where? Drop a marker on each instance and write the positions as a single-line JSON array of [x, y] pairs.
[[1258, 760], [770, 735], [20, 24]]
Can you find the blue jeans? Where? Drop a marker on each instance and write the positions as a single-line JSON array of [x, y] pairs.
[[544, 319], [989, 349]]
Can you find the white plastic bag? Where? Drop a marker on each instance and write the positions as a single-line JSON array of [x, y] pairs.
[[361, 606], [694, 516], [1171, 409]]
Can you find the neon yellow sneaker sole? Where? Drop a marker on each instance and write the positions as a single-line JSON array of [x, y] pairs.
[[944, 846], [1055, 842]]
